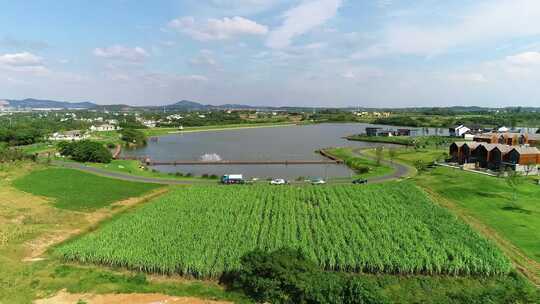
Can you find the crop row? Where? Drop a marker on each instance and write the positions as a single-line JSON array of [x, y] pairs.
[[203, 231]]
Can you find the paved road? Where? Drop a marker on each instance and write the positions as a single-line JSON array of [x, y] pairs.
[[127, 177], [399, 169]]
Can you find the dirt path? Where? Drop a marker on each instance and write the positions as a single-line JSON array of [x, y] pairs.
[[64, 297], [37, 247], [527, 266]]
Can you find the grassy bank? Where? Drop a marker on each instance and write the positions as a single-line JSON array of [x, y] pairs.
[[362, 166], [133, 167], [165, 131]]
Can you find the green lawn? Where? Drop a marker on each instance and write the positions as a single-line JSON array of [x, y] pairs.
[[409, 155], [488, 199], [76, 190], [355, 162], [39, 148], [132, 167]]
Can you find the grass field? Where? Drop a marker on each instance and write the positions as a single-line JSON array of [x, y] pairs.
[[391, 228], [489, 199], [75, 190]]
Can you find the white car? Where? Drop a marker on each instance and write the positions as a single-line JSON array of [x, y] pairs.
[[318, 181], [278, 181]]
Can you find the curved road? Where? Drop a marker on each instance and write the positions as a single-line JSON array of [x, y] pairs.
[[399, 172], [126, 177]]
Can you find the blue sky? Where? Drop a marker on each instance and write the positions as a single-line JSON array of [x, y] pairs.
[[273, 52]]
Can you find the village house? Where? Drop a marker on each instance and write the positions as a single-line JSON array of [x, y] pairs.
[[512, 139], [103, 128], [459, 131], [149, 123], [74, 135], [523, 159]]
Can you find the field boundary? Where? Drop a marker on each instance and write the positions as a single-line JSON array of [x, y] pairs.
[[525, 265]]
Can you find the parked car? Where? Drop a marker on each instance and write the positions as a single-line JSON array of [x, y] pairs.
[[318, 181], [360, 181], [278, 181]]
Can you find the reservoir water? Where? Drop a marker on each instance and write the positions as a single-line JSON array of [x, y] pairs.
[[273, 143]]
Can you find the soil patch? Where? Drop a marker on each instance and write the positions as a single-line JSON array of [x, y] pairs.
[[64, 297]]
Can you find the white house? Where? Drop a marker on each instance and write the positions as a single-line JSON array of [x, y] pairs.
[[503, 130], [103, 128], [74, 135], [459, 131]]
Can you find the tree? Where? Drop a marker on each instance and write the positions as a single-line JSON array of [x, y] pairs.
[[86, 151], [133, 137], [392, 153], [530, 167], [514, 180], [420, 166], [379, 154]]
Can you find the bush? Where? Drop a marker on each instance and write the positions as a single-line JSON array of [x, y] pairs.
[[11, 154], [85, 151], [287, 276]]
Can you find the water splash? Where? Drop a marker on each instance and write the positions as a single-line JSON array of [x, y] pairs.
[[211, 157]]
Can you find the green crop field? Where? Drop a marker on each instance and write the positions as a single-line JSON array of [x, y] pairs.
[[76, 190], [203, 231]]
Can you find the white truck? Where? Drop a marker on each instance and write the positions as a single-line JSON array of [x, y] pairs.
[[232, 179]]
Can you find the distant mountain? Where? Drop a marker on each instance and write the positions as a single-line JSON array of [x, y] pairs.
[[50, 104], [187, 105]]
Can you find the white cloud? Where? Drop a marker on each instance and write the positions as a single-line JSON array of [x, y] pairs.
[[23, 62], [20, 59], [217, 29], [524, 59], [302, 19], [120, 52], [206, 60], [468, 77], [486, 22]]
